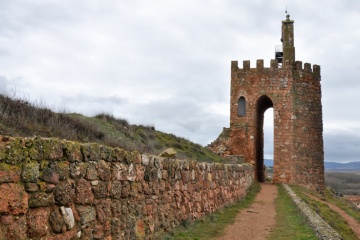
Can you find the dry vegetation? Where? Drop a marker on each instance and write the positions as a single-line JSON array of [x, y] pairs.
[[344, 182], [21, 118]]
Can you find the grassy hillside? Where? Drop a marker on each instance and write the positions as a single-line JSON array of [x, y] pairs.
[[23, 119]]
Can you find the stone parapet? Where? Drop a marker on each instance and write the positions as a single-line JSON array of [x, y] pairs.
[[59, 189]]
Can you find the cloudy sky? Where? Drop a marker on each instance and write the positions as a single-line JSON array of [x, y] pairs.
[[167, 62]]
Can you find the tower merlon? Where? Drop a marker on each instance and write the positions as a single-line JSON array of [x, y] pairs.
[[260, 64], [234, 65], [274, 64]]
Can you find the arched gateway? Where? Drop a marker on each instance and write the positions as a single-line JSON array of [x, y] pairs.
[[294, 93]]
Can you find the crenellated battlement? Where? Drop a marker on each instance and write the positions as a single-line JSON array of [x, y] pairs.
[[275, 65], [293, 89]]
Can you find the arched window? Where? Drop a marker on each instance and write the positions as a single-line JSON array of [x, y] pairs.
[[241, 107]]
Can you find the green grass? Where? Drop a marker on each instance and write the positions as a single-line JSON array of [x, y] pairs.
[[290, 223], [327, 214], [213, 225], [343, 204]]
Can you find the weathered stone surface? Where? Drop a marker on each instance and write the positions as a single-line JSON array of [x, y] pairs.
[[120, 198], [14, 152], [68, 217], [51, 174], [41, 199], [31, 187], [72, 151], [84, 195], [103, 170], [30, 172], [37, 220], [91, 173], [169, 153], [90, 151], [101, 189], [15, 228], [120, 171], [9, 173], [56, 221], [13, 199], [140, 228], [77, 170], [103, 210], [64, 192], [115, 189], [86, 213], [63, 169]]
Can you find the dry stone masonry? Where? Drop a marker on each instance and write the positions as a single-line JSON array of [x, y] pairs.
[[58, 189], [293, 90]]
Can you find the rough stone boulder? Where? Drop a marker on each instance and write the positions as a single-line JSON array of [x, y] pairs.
[[169, 153]]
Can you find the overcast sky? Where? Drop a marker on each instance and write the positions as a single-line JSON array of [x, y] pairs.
[[166, 63]]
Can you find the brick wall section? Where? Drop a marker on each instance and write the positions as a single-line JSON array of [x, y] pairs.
[[58, 189], [295, 95]]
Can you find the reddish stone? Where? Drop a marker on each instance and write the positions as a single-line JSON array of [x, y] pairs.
[[51, 173], [56, 221], [13, 199], [115, 189], [9, 173], [76, 215], [140, 228], [84, 194], [103, 170], [67, 235], [64, 192], [37, 222], [103, 209], [16, 229]]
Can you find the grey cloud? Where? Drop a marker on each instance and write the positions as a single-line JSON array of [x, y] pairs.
[[168, 62], [342, 145]]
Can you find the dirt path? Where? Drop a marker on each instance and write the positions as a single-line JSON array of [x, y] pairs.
[[256, 221], [352, 222]]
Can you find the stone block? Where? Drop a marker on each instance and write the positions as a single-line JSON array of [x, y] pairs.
[[37, 219], [13, 199], [30, 171], [56, 221], [64, 192], [84, 194], [68, 217], [41, 199], [72, 151], [87, 214], [103, 210], [103, 170], [101, 189], [14, 228], [9, 173], [50, 173], [115, 189], [91, 151]]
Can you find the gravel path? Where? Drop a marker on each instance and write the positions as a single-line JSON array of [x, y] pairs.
[[256, 221]]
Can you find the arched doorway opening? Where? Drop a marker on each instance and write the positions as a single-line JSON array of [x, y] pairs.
[[263, 103]]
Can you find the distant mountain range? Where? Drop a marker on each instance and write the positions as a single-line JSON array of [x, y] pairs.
[[330, 166]]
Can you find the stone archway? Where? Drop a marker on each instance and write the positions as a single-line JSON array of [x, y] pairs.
[[262, 104]]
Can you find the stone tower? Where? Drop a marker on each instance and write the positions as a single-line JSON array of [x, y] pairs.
[[294, 93]]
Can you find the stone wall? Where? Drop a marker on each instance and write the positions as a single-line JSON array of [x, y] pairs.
[[58, 189]]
